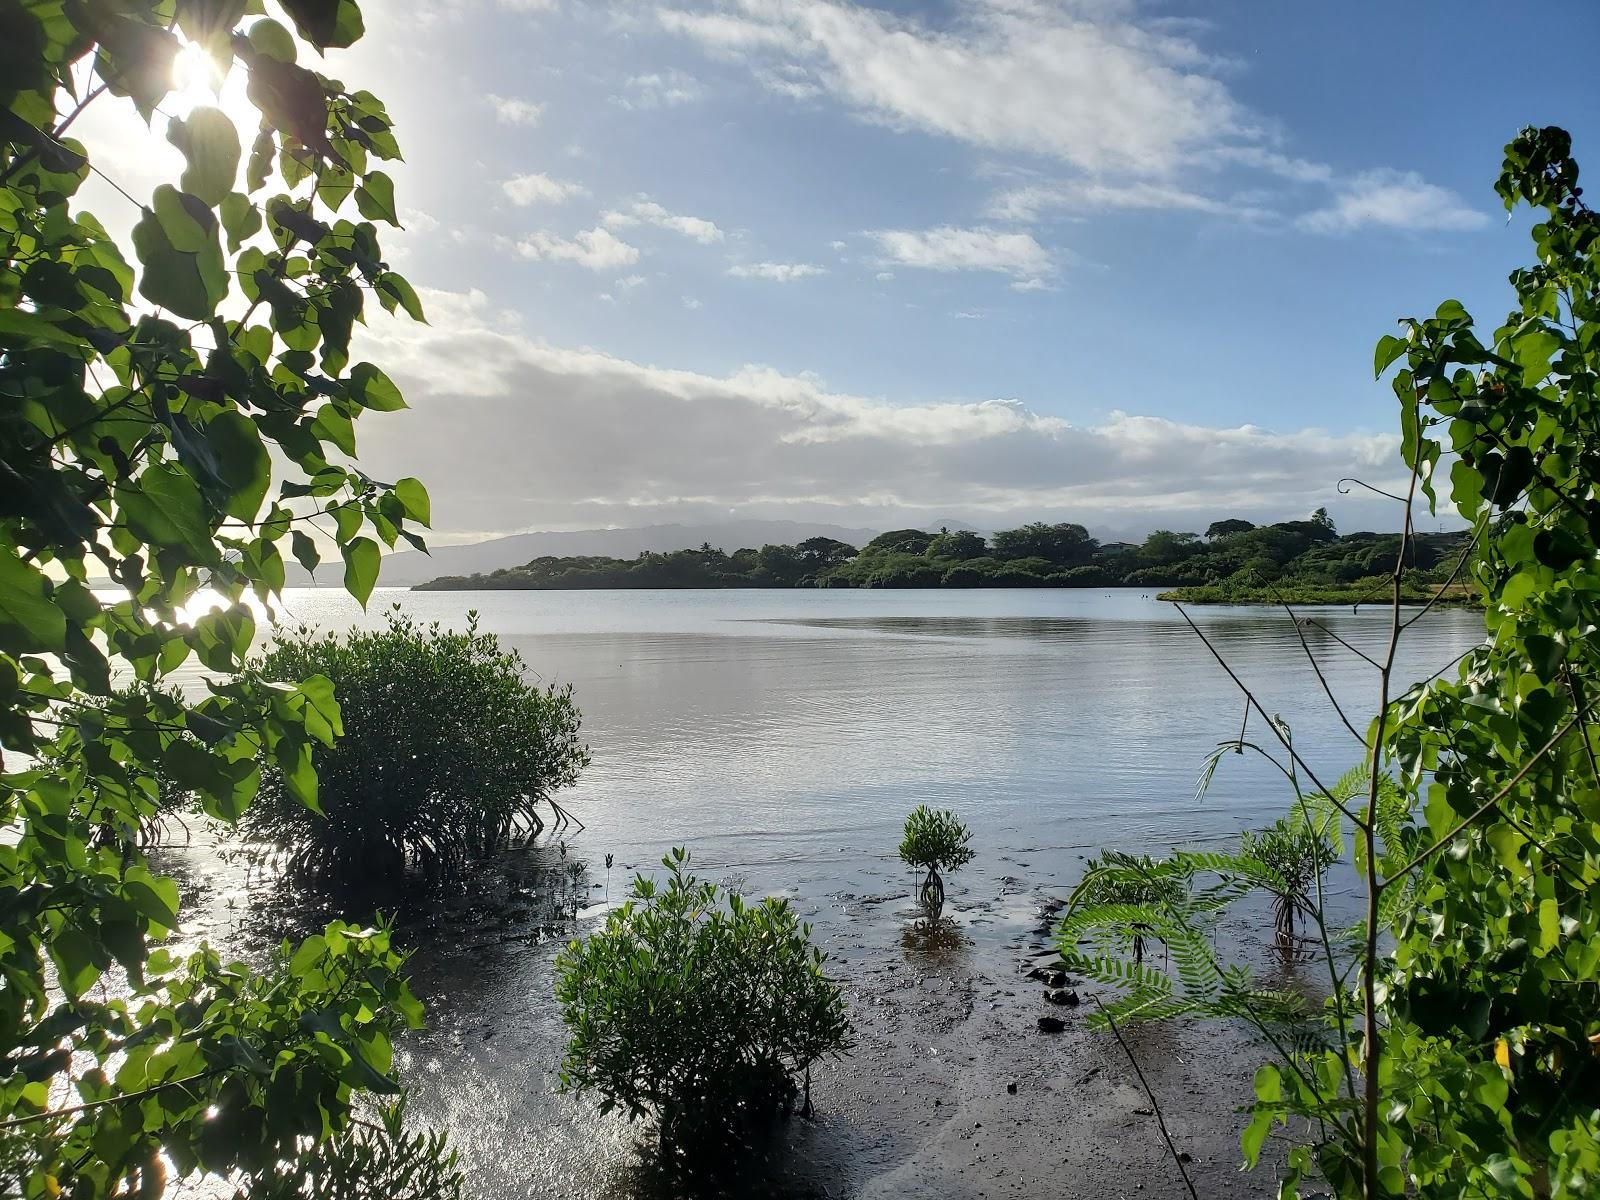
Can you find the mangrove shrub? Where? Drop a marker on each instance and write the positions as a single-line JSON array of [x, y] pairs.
[[697, 1008], [448, 753], [934, 841]]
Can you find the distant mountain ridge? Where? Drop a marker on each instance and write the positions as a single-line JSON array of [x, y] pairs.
[[408, 567]]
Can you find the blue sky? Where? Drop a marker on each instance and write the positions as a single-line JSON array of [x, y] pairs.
[[991, 259]]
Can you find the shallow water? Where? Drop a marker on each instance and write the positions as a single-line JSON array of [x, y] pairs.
[[783, 735]]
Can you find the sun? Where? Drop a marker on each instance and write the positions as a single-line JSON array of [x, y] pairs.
[[198, 80]]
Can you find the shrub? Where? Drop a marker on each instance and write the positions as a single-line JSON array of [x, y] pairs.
[[447, 753], [698, 1009], [935, 841], [1085, 576], [961, 576]]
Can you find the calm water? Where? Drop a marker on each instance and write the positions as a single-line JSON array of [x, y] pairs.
[[783, 735], [773, 728]]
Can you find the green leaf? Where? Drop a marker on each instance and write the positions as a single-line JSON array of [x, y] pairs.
[[273, 40], [29, 619], [394, 289], [374, 389], [74, 956], [241, 219], [322, 716], [361, 561], [293, 756], [163, 506], [242, 462], [1389, 349], [305, 550], [210, 144], [414, 497], [326, 23], [177, 244], [135, 58], [375, 198]]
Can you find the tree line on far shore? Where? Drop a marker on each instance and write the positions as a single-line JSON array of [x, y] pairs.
[[1233, 557]]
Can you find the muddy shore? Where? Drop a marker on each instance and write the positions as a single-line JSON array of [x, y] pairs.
[[951, 1090]]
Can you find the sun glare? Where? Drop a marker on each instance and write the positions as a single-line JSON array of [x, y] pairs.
[[197, 81], [195, 77]]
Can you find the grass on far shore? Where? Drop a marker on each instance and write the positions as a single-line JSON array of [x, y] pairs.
[[1378, 591]]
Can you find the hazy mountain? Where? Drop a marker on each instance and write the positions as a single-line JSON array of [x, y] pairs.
[[409, 567]]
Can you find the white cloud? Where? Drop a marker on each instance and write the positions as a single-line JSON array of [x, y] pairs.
[[777, 272], [1027, 202], [660, 89], [585, 437], [646, 211], [691, 303], [1134, 103], [982, 249], [596, 249], [529, 6], [508, 110], [1393, 200], [1078, 82], [539, 189]]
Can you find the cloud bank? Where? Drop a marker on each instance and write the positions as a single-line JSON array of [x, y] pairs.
[[521, 434]]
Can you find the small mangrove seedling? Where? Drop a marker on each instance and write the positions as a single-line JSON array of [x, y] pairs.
[[1127, 899], [935, 841], [1291, 857], [608, 880]]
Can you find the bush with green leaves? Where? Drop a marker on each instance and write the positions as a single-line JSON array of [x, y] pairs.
[[698, 1008], [174, 412], [448, 753], [1456, 1054], [934, 841]]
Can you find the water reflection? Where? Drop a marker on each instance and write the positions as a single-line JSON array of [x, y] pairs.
[[934, 943]]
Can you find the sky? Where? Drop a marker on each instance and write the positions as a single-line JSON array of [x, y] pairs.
[[885, 264]]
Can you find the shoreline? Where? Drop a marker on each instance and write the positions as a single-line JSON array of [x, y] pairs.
[[952, 1089]]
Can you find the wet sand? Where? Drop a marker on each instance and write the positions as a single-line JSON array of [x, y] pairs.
[[945, 1024]]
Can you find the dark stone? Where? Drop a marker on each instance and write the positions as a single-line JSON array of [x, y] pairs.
[[1056, 979], [1051, 1025], [1060, 996], [1012, 1087]]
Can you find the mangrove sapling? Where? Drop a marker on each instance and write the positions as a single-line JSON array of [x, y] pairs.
[[698, 1009], [447, 755], [1292, 856], [935, 841], [1130, 894]]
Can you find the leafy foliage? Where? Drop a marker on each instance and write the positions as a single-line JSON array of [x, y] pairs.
[[936, 841], [1123, 901], [697, 1008], [447, 753], [143, 406], [1304, 560], [1457, 1052]]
